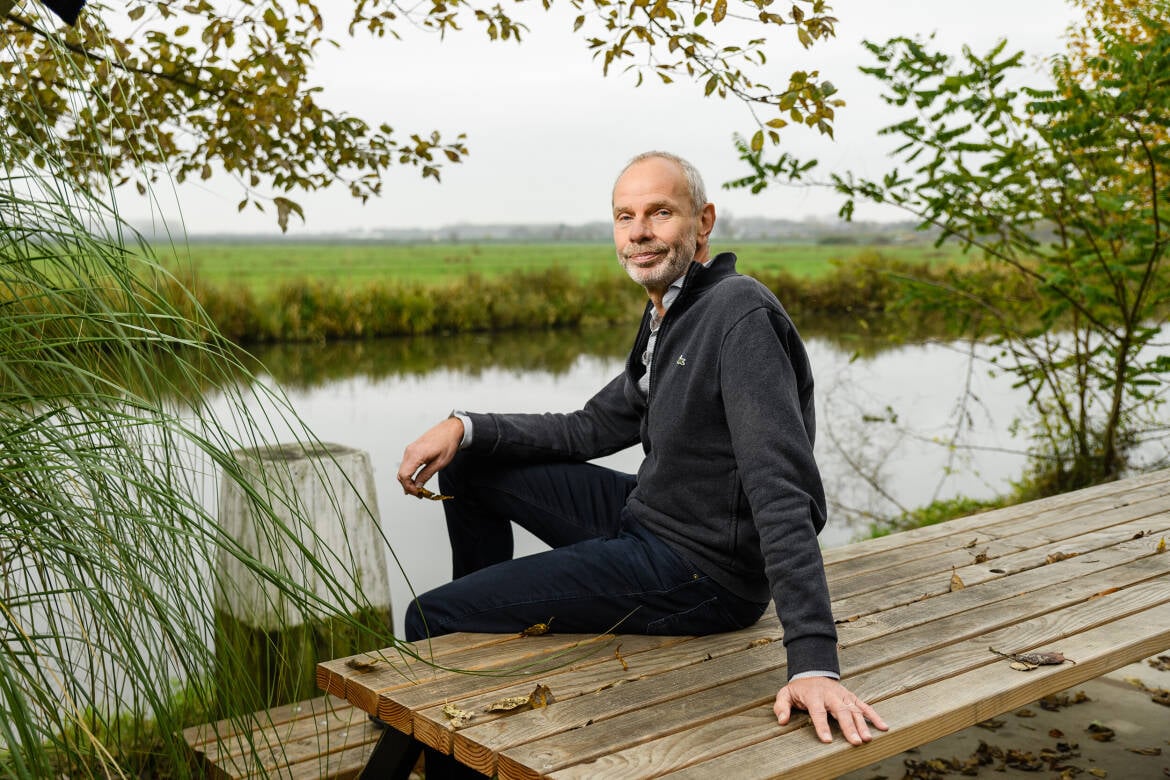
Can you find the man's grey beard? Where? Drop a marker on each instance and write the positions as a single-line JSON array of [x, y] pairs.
[[678, 259]]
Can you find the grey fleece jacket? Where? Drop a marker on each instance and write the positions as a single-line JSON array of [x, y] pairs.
[[728, 477]]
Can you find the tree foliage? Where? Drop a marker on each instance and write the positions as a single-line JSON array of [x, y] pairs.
[[1064, 186], [195, 89]]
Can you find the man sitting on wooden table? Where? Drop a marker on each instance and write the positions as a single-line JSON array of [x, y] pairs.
[[724, 512]]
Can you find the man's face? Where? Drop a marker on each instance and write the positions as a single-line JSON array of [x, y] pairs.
[[655, 228]]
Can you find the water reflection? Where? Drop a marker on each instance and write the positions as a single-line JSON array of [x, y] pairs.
[[886, 419]]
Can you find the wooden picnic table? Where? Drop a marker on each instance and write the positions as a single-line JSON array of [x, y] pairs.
[[1081, 573]]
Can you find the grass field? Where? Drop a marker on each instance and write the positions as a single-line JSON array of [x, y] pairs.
[[261, 267]]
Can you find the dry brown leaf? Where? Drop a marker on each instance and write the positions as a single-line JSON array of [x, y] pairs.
[[982, 557], [538, 629], [1020, 666], [542, 696], [1098, 772], [1032, 660], [1146, 751], [456, 716], [971, 543], [766, 640], [617, 653], [1099, 732], [366, 664], [956, 581], [1058, 556], [424, 493], [1105, 592], [1161, 548], [508, 704]]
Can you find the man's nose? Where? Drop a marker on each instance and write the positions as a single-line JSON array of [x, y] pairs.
[[640, 229]]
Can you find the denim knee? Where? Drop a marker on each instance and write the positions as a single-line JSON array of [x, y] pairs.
[[422, 620], [453, 474]]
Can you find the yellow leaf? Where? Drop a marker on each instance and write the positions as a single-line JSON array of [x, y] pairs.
[[508, 704], [758, 141], [457, 716], [956, 581], [1161, 545], [719, 12]]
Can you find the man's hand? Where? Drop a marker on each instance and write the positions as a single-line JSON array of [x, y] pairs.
[[429, 453], [822, 696]]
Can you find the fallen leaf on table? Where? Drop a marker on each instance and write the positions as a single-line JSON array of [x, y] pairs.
[[1029, 661], [540, 697], [767, 640], [363, 664], [1146, 751], [1058, 556], [1161, 548], [956, 581], [508, 704], [538, 629], [617, 653], [457, 716], [1097, 772]]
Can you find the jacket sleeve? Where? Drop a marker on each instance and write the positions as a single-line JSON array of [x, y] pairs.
[[767, 391], [607, 423]]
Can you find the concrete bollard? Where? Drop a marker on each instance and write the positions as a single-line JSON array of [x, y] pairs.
[[259, 633]]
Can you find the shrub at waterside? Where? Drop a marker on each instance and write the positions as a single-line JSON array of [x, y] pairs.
[[870, 290]]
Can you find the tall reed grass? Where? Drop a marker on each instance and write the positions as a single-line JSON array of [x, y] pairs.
[[109, 466]]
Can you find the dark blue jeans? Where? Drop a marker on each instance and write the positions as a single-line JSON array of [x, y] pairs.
[[605, 572]]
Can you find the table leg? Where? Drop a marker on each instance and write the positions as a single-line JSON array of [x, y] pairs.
[[393, 758]]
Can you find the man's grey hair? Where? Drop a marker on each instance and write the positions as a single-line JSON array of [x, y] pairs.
[[694, 181]]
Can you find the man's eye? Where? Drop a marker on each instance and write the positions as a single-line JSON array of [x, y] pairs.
[[662, 213]]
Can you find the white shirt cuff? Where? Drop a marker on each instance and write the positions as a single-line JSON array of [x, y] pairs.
[[815, 673], [465, 442]]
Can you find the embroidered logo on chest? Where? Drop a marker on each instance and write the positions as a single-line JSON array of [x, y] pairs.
[[682, 360]]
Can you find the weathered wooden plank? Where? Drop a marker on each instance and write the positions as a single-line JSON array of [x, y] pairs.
[[926, 713], [1093, 499], [934, 583], [964, 613], [276, 754], [411, 662], [473, 745], [1072, 535], [643, 656], [511, 657], [613, 736], [197, 736], [929, 668]]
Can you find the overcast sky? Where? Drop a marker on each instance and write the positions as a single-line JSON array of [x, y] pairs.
[[547, 133]]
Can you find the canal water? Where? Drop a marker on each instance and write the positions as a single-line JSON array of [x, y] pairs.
[[897, 428]]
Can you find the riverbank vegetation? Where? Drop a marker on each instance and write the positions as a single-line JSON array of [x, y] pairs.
[[862, 288]]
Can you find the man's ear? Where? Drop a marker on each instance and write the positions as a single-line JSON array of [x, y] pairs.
[[706, 221], [706, 225]]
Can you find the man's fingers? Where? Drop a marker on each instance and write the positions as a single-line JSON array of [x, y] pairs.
[[783, 707], [820, 721]]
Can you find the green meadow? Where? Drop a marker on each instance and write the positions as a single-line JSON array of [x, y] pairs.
[[264, 267]]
